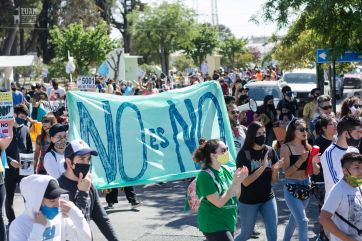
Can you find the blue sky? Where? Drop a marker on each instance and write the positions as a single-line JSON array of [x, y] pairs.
[[234, 14]]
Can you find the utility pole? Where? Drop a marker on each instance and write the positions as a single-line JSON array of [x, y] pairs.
[[214, 13]]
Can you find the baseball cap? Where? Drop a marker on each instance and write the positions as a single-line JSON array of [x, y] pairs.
[[78, 147], [57, 128], [53, 190]]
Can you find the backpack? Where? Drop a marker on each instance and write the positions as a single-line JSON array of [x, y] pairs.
[[193, 201]]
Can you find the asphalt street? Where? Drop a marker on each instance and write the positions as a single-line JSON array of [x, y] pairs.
[[162, 218]]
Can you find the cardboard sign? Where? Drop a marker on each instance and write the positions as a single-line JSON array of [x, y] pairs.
[[26, 167], [4, 129], [6, 106], [86, 83]]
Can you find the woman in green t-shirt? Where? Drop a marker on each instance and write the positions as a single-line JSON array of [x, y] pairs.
[[218, 189]]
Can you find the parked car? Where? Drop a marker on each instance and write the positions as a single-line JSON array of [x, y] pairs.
[[259, 89], [339, 87], [353, 81], [302, 81]]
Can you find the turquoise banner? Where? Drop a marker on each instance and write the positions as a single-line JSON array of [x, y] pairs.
[[148, 139]]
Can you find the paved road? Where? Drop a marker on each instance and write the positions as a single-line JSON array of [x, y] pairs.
[[162, 217]]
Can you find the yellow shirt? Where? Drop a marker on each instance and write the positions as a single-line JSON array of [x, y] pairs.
[[309, 110]]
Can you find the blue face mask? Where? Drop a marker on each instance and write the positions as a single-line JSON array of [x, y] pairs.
[[20, 121], [48, 212]]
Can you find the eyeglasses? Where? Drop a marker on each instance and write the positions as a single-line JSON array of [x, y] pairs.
[[46, 121], [326, 107], [303, 129], [357, 106], [233, 112]]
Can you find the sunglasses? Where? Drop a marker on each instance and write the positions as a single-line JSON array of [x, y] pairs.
[[357, 106], [233, 112], [303, 129], [326, 107], [46, 121]]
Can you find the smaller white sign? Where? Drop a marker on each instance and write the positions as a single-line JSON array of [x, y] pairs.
[[86, 83], [26, 165]]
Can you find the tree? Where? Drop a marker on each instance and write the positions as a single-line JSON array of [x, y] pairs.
[[166, 27], [255, 53], [122, 9], [203, 43], [338, 23], [231, 47], [183, 62], [88, 46]]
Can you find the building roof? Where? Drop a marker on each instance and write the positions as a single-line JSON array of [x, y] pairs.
[[15, 61]]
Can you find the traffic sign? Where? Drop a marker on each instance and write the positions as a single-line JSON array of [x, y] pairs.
[[324, 56]]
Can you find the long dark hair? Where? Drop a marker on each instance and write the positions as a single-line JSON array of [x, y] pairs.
[[52, 120], [322, 123], [251, 134], [202, 154], [290, 135]]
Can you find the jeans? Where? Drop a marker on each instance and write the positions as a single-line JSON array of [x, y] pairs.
[[248, 215], [298, 217], [12, 178], [319, 193], [220, 236]]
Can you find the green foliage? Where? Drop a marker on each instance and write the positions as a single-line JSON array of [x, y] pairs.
[[166, 29], [88, 46], [203, 43], [231, 48], [183, 62], [57, 68], [338, 23]]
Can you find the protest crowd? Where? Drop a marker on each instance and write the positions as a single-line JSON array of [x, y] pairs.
[[316, 151]]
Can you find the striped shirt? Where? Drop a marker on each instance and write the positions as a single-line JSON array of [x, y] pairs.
[[331, 164]]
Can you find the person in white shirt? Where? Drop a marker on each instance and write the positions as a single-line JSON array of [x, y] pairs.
[[349, 135], [54, 157], [46, 216], [56, 91], [342, 209]]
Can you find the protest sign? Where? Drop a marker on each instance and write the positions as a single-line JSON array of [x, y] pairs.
[[6, 106], [48, 106], [148, 139], [5, 128], [26, 165], [86, 83]]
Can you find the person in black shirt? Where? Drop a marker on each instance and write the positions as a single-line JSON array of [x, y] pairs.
[[326, 129], [21, 143], [288, 101], [256, 192], [77, 180]]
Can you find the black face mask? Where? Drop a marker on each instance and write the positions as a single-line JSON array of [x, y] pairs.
[[81, 168], [260, 140], [352, 142], [270, 106], [13, 89]]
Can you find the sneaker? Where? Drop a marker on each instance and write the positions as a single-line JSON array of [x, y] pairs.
[[110, 206], [254, 235], [136, 204]]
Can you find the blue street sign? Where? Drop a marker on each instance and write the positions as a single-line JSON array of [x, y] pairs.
[[323, 56]]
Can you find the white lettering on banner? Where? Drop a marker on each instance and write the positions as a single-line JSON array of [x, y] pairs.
[[86, 83]]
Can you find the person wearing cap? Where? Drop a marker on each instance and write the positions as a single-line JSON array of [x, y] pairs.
[[77, 180], [288, 101], [47, 216], [21, 143], [54, 156]]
